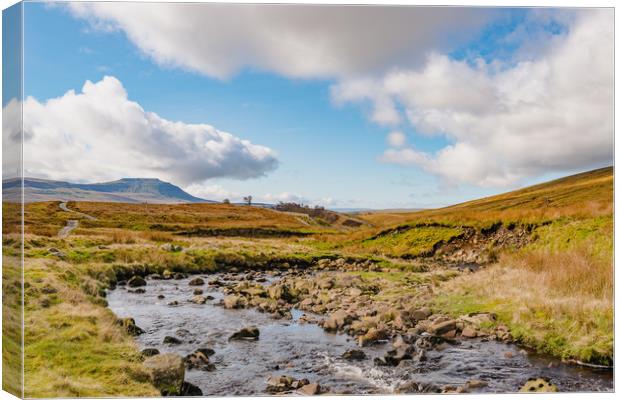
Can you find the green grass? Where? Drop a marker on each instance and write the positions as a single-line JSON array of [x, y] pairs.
[[414, 241]]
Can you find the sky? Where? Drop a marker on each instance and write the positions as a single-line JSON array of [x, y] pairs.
[[340, 106]]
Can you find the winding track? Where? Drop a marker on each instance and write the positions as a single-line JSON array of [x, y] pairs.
[[72, 223]]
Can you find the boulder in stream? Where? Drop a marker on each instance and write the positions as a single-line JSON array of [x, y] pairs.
[[249, 333], [149, 352], [129, 325], [196, 282], [538, 385], [189, 389], [136, 281], [171, 340], [354, 354]]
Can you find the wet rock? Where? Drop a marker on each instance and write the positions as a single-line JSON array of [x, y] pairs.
[[197, 292], [279, 384], [179, 275], [129, 325], [167, 274], [173, 303], [476, 384], [442, 328], [196, 282], [354, 354], [206, 351], [171, 340], [280, 292], [198, 360], [121, 283], [166, 372], [310, 389], [149, 352], [156, 277], [234, 301], [189, 389], [249, 333], [372, 336], [182, 332], [198, 299], [337, 320], [538, 385], [161, 296], [215, 282], [136, 281]]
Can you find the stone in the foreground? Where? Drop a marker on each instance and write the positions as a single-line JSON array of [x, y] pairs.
[[538, 385], [167, 373], [310, 389], [189, 389], [249, 333], [129, 325]]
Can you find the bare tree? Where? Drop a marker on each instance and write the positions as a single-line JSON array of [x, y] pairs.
[[248, 200]]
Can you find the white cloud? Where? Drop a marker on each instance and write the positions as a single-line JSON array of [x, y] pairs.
[[553, 112], [99, 134], [396, 139], [304, 41]]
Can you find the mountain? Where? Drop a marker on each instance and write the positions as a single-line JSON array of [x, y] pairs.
[[126, 190]]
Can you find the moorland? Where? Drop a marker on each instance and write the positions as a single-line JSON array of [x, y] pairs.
[[532, 267]]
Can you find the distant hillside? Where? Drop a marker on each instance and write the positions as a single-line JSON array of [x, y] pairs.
[[126, 190]]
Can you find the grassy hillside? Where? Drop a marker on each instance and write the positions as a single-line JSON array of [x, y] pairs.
[[547, 253]]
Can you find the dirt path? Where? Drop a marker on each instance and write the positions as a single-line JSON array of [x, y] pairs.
[[72, 223]]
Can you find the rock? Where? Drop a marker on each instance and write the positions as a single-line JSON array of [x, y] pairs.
[[476, 384], [198, 299], [173, 303], [280, 291], [137, 291], [415, 387], [189, 389], [538, 385], [166, 372], [198, 360], [183, 332], [337, 320], [171, 340], [234, 301], [196, 282], [149, 352], [167, 274], [249, 333], [310, 389], [441, 328], [171, 247], [420, 314], [129, 324], [469, 332], [179, 275], [373, 335], [161, 296], [136, 281], [278, 384], [508, 354], [206, 351], [354, 354], [198, 292]]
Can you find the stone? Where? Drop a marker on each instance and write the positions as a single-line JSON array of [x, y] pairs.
[[198, 360], [196, 282], [149, 352], [310, 389], [469, 332], [420, 314], [198, 299], [278, 384], [476, 384], [354, 354], [129, 325], [171, 340], [337, 320], [167, 274], [189, 389], [280, 291], [197, 292], [161, 296], [373, 335], [234, 301], [443, 327], [166, 372], [136, 281], [249, 333], [538, 385]]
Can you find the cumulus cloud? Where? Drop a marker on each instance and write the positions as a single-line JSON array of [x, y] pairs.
[[396, 139], [99, 134], [551, 112], [303, 41]]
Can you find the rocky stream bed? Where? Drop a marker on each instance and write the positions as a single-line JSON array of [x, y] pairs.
[[322, 331]]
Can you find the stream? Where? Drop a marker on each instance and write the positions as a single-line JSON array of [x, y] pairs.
[[304, 350]]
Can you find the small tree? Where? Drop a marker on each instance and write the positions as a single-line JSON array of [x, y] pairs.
[[226, 201], [248, 200]]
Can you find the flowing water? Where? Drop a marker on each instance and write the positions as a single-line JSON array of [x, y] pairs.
[[304, 350]]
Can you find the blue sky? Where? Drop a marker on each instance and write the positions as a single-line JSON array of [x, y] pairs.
[[328, 152]]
